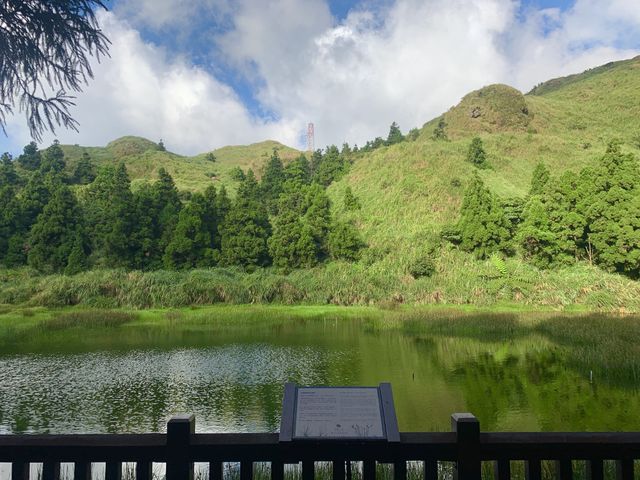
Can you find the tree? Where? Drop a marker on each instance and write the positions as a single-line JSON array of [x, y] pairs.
[[246, 228], [53, 159], [161, 147], [439, 132], [110, 217], [8, 174], [47, 47], [298, 171], [483, 226], [344, 242], [476, 153], [272, 180], [350, 201], [54, 234], [84, 173], [30, 158], [210, 157], [539, 179], [190, 243]]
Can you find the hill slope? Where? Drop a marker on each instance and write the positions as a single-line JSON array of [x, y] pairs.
[[143, 159]]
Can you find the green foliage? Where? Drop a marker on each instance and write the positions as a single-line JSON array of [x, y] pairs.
[[298, 171], [77, 260], [476, 154], [439, 132], [273, 178], [395, 135], [350, 201], [210, 157], [246, 228], [237, 174], [54, 235], [85, 172], [344, 242], [483, 226], [53, 159], [539, 179], [30, 158], [330, 166], [161, 147], [424, 265], [8, 174], [413, 135]]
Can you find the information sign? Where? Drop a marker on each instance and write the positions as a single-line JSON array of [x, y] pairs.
[[325, 413]]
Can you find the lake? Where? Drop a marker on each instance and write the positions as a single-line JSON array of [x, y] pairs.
[[513, 371]]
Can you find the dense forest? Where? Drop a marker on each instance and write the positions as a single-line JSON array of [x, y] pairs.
[[57, 222]]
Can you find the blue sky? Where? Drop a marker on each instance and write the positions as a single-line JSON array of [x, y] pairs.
[[201, 74]]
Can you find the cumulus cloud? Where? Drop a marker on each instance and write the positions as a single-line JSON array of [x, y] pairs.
[[402, 60], [141, 91]]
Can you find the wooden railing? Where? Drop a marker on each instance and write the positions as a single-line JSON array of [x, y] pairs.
[[180, 447]]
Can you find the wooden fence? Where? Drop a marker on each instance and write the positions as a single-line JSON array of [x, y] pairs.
[[180, 447]]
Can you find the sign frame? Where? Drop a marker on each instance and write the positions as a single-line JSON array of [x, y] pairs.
[[388, 415]]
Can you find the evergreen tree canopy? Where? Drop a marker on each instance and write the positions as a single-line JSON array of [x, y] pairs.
[[351, 202], [539, 179], [483, 226], [53, 159], [54, 234], [476, 153], [344, 242], [395, 135], [84, 172], [30, 158], [272, 180]]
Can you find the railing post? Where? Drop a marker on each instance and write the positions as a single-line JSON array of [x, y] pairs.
[[179, 430], [467, 428]]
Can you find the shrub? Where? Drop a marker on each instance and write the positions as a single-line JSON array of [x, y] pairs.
[[423, 266]]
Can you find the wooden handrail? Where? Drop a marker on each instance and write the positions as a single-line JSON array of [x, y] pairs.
[[180, 447]]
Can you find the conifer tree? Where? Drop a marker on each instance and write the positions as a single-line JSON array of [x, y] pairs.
[[395, 135], [168, 207], [483, 226], [30, 158], [8, 174], [84, 172], [298, 171], [539, 179], [344, 242], [439, 132], [350, 201], [53, 159], [246, 228], [476, 153], [77, 260], [272, 180], [190, 244], [53, 235]]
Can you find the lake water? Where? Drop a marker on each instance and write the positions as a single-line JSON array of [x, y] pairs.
[[132, 378]]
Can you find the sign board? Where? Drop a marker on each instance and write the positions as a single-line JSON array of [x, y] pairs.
[[338, 413]]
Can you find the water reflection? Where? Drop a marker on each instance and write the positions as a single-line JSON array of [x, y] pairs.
[[133, 379]]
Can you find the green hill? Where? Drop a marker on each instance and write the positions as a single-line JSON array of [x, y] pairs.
[[408, 192], [144, 158]]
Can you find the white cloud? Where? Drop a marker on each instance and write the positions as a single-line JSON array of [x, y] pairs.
[[140, 91], [407, 60]]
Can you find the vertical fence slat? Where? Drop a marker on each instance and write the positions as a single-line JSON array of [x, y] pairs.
[[467, 429], [144, 471], [502, 470], [369, 470], [624, 469], [400, 470], [564, 469], [246, 470], [113, 471], [179, 431], [349, 477], [532, 470], [308, 470], [430, 469], [595, 470], [51, 471], [20, 471], [82, 471], [215, 471], [277, 471], [338, 470]]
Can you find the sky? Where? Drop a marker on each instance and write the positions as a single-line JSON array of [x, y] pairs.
[[202, 74]]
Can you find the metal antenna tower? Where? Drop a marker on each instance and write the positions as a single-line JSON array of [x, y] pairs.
[[310, 137]]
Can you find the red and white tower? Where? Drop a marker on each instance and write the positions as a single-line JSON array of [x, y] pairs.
[[310, 137]]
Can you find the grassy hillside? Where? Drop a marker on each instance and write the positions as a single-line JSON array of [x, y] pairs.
[[143, 160], [408, 192]]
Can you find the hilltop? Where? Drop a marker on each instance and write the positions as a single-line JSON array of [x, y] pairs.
[[144, 158]]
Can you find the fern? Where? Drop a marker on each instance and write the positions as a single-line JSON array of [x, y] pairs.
[[499, 264]]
